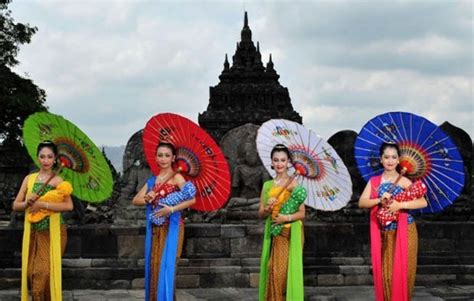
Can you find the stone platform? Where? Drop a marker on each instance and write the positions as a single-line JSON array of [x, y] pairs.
[[106, 257], [339, 293]]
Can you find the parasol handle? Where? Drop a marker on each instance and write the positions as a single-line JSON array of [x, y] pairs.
[[288, 182], [178, 170], [40, 190], [402, 172]]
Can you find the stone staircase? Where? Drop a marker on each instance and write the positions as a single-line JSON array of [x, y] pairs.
[[105, 257]]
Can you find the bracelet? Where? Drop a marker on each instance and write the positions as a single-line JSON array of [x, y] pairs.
[[289, 217], [47, 206], [172, 209]]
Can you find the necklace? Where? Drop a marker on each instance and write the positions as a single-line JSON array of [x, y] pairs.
[[161, 178], [389, 179], [41, 178], [278, 181]]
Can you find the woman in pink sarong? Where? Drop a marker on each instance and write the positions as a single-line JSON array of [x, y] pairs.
[[394, 247]]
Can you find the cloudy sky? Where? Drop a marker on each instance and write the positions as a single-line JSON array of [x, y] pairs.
[[108, 66]]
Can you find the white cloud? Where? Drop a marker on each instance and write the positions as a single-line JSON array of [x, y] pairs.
[[109, 66], [431, 45]]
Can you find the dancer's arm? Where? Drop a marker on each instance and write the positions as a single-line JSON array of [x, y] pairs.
[[365, 201]]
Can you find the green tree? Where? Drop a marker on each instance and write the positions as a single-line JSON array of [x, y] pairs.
[[19, 97]]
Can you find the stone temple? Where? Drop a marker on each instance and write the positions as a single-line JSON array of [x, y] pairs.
[[222, 248], [248, 91]]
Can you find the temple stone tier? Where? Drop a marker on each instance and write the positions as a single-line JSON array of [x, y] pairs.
[[335, 254], [248, 91]]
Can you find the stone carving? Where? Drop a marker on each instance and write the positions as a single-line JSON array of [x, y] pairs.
[[135, 169], [135, 174], [464, 144], [248, 174]]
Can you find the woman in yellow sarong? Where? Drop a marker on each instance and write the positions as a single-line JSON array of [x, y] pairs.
[[44, 236], [281, 266]]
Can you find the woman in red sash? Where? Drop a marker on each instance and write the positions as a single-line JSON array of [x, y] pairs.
[[394, 247]]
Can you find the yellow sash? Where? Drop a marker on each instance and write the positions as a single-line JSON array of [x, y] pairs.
[[57, 195], [284, 196], [54, 250]]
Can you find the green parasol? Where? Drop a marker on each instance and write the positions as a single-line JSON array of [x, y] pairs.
[[83, 163]]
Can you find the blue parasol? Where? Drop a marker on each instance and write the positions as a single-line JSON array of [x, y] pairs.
[[425, 150]]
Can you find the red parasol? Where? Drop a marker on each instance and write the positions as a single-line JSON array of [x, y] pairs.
[[198, 157]]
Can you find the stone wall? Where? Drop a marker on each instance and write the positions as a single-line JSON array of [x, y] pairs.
[[104, 256]]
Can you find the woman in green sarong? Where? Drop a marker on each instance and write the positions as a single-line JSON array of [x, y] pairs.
[[282, 207]]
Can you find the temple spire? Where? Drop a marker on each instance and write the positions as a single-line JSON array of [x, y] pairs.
[[270, 64], [226, 63], [246, 33], [258, 58]]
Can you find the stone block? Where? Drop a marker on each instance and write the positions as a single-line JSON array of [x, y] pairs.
[[241, 280], [99, 244], [358, 279], [131, 246], [77, 262], [354, 269], [10, 273], [9, 283], [428, 246], [464, 245], [422, 279], [224, 269], [348, 260], [203, 230], [207, 247], [231, 231], [190, 270], [187, 281], [73, 247], [138, 283], [250, 246], [310, 280], [120, 284], [256, 230], [254, 279], [213, 261], [217, 280], [250, 262], [321, 269], [114, 262], [465, 279], [330, 280]]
